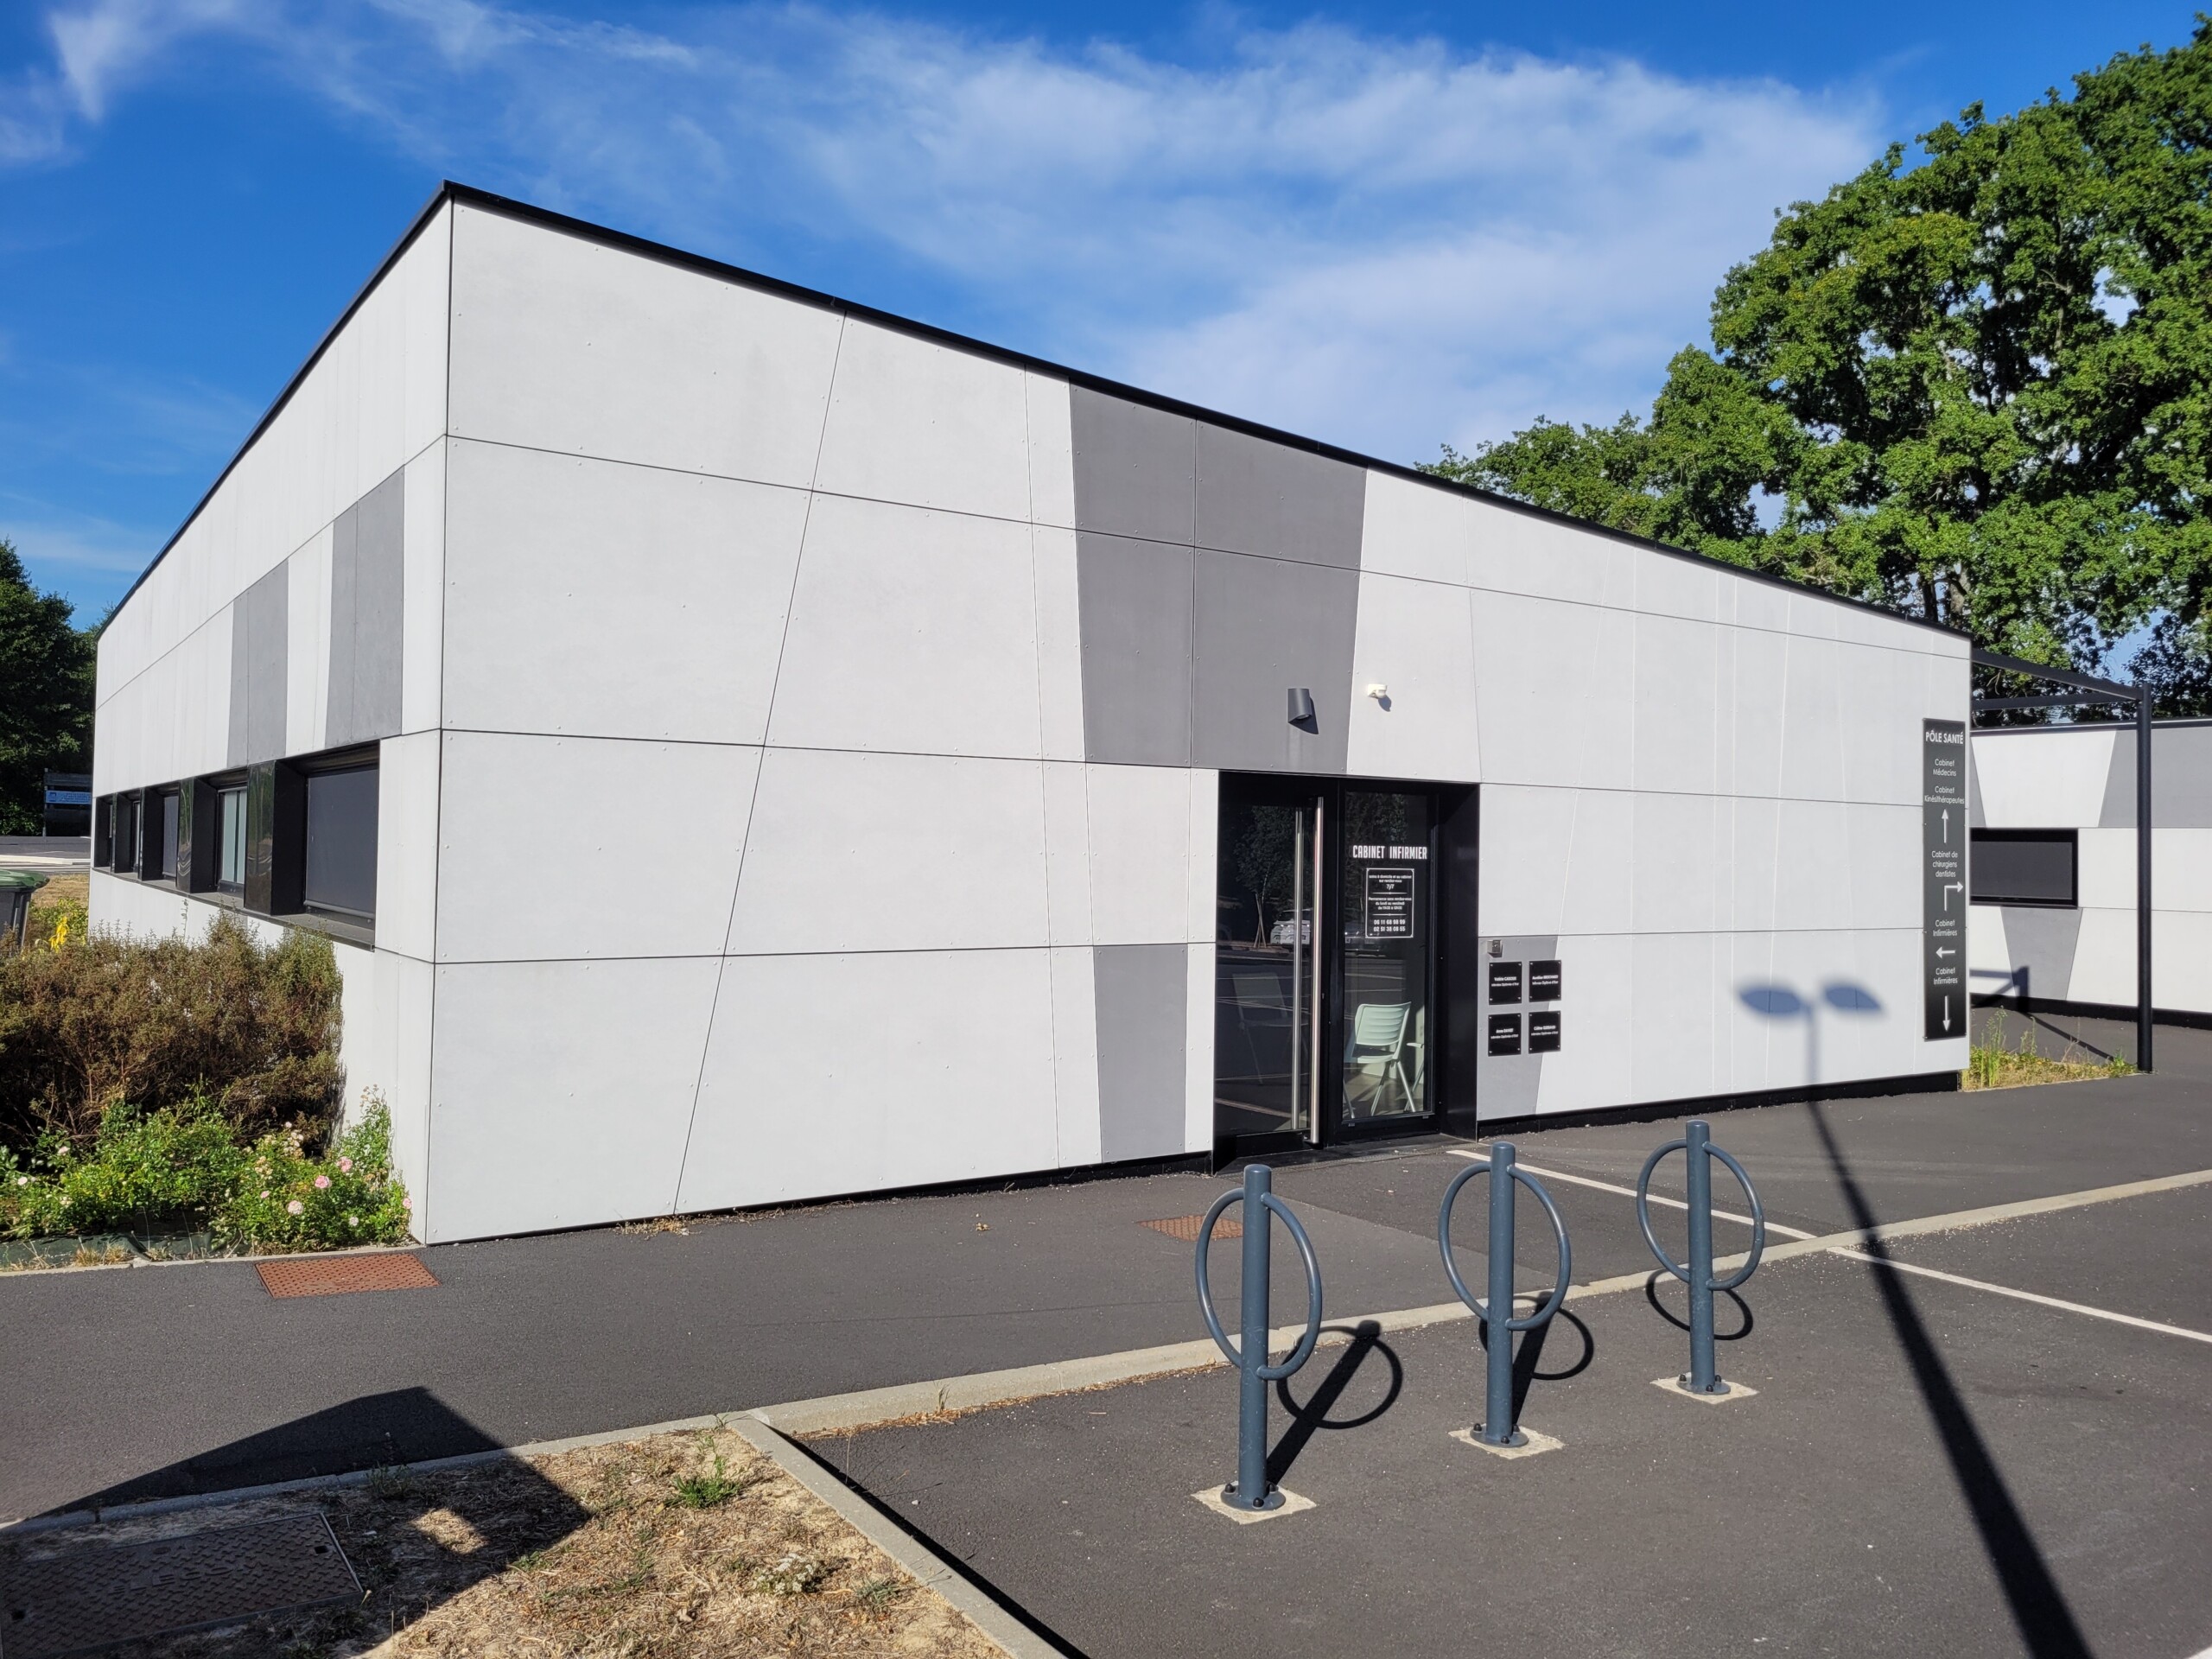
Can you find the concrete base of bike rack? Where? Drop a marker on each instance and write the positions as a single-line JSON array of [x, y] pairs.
[[1537, 1443], [1291, 1505], [1676, 1385]]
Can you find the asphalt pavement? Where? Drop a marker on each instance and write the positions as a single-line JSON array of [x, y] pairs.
[[158, 1381]]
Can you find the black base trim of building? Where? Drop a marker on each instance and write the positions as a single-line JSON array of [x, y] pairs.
[[2123, 1012]]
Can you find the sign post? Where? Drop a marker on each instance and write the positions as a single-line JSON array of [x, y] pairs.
[[1943, 876]]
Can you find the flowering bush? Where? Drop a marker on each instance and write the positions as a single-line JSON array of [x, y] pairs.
[[290, 1201], [183, 1168]]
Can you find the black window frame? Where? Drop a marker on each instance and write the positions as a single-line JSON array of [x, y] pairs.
[[1978, 894], [292, 845]]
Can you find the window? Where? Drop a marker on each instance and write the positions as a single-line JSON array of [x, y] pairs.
[[2023, 867], [340, 872], [166, 851], [126, 835], [229, 845]]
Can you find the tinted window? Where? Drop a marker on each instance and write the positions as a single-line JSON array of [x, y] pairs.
[[2023, 866], [342, 863], [170, 803], [231, 869]]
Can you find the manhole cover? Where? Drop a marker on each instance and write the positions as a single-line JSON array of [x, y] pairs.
[[83, 1598], [1186, 1228], [335, 1276]]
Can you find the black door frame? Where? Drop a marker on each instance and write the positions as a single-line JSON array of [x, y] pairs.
[[1453, 1018]]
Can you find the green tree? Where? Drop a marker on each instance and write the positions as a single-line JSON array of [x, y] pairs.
[[46, 694], [1977, 389]]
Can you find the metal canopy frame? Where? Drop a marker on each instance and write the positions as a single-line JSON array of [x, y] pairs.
[[2088, 691]]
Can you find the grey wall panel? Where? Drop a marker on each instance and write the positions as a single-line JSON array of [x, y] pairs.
[[1140, 1003], [1257, 497], [1260, 627], [2180, 780], [1134, 468], [260, 631], [1134, 599], [366, 563], [1508, 1085], [2041, 942]]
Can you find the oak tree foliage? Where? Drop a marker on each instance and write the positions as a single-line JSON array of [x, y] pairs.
[[1977, 388]]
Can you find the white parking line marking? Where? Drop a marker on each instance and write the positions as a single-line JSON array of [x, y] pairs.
[[1630, 1192], [2025, 1296]]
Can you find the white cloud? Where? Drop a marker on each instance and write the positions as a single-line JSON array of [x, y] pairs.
[[1382, 242]]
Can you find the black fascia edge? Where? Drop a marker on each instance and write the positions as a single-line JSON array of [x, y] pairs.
[[469, 195], [2089, 726]]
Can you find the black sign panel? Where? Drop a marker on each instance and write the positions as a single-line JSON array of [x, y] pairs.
[[1505, 1033], [1390, 901], [1543, 984], [1543, 1033], [1943, 875], [1505, 983]]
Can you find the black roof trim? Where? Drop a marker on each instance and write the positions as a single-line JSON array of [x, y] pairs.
[[2174, 722], [469, 195]]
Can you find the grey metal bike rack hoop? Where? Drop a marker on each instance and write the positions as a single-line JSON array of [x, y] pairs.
[[1498, 1428], [1250, 1490], [1698, 1150]]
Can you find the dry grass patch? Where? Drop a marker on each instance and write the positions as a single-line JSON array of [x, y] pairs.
[[668, 1547], [1990, 1065]]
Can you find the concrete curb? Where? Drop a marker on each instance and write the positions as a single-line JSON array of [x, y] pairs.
[[918, 1560]]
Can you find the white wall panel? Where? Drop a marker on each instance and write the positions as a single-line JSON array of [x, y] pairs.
[[1514, 552], [910, 631], [2105, 868], [852, 852], [1067, 854], [584, 598], [1677, 667], [1554, 692], [1419, 531], [1676, 848], [307, 646], [595, 812], [1202, 884], [1052, 452], [2180, 959], [1198, 1047], [946, 1075], [565, 345], [913, 422], [2104, 958], [1075, 1058], [1527, 845], [375, 396], [1593, 1067], [2180, 868], [2035, 781], [1676, 1014], [561, 1092], [1687, 589], [1819, 700], [1417, 638], [407, 845], [422, 591], [1140, 847], [1060, 643]]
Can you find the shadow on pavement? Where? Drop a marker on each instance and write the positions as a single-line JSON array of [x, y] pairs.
[[373, 1432], [2046, 1623], [1308, 1420]]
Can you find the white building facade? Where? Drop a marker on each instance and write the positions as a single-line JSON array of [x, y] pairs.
[[2054, 916], [745, 749]]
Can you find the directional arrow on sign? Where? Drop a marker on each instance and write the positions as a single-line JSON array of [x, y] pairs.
[[1947, 1014], [1947, 823], [1950, 888], [1945, 950]]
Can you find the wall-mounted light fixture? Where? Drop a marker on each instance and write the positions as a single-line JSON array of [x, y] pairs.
[[1379, 691], [1301, 708]]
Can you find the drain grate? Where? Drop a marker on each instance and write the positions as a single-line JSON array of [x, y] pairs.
[[1187, 1227], [82, 1600], [306, 1276]]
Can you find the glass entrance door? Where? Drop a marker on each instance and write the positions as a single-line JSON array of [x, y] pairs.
[[1387, 906], [1269, 973]]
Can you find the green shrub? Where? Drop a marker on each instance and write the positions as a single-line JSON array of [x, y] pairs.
[[287, 1200], [184, 1168], [104, 1020]]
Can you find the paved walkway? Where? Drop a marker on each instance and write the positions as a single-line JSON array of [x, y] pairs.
[[158, 1381]]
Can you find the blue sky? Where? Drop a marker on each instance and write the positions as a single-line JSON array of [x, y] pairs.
[[1390, 227]]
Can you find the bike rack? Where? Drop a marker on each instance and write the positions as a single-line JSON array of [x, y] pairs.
[[1250, 1491], [1498, 1427], [1698, 1149]]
